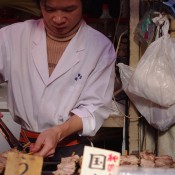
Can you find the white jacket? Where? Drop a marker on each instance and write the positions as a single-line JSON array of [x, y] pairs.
[[82, 82]]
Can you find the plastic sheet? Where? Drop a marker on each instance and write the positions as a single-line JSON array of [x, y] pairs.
[[154, 76], [159, 117]]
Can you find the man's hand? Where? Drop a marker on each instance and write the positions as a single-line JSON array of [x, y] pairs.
[[46, 143], [48, 140]]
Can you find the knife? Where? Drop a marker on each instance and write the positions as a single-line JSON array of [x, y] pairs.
[[10, 138]]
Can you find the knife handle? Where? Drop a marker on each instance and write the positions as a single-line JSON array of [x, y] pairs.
[[11, 139]]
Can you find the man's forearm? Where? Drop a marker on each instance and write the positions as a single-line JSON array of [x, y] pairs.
[[73, 125]]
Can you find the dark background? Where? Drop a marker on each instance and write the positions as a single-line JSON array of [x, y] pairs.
[[93, 8]]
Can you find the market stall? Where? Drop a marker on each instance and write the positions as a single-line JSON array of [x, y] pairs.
[[142, 148]]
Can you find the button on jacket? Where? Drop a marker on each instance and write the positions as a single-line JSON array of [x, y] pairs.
[[82, 83]]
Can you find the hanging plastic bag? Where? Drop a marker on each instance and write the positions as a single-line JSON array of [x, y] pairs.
[[159, 117], [154, 76]]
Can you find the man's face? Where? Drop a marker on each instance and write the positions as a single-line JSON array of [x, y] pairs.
[[61, 16]]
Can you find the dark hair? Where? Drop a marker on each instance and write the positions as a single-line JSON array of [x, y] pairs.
[[83, 5], [38, 2]]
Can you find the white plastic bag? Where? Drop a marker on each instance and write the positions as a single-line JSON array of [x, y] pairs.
[[154, 76], [159, 117]]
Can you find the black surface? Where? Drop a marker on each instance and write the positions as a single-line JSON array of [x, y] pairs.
[[47, 173], [49, 167]]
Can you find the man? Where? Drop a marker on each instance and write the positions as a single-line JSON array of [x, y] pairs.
[[60, 75]]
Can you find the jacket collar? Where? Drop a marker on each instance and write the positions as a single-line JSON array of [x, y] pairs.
[[69, 58]]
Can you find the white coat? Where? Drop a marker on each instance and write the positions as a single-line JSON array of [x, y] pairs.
[[82, 82]]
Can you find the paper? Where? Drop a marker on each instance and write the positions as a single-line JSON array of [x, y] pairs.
[[97, 161]]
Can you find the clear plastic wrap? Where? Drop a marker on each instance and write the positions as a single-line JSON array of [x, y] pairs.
[[126, 170]]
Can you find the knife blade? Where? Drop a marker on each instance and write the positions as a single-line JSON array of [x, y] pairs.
[[10, 138]]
